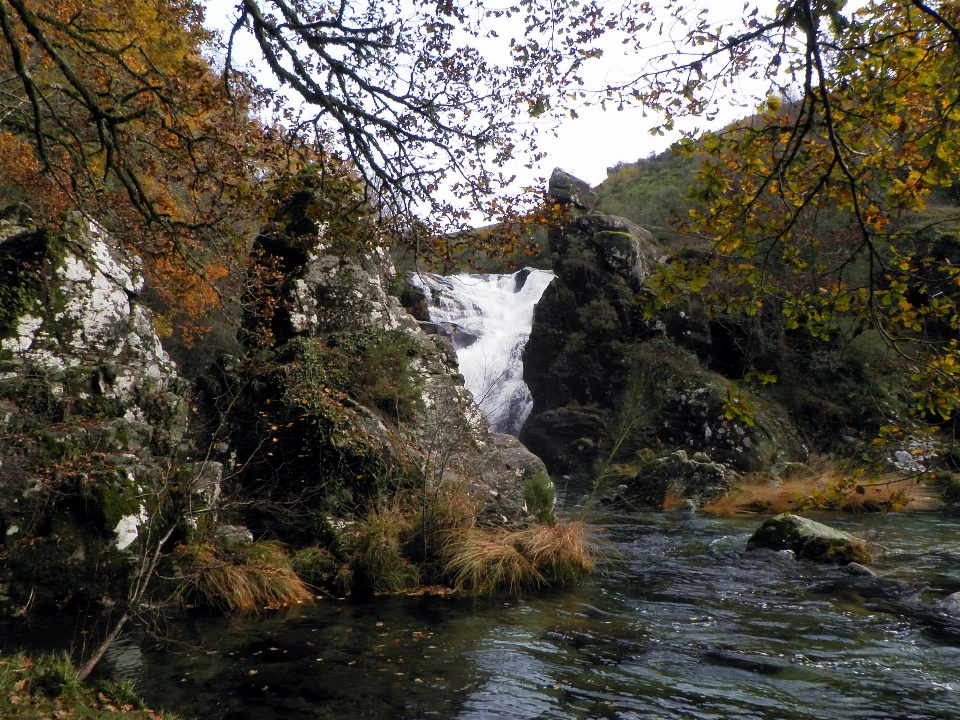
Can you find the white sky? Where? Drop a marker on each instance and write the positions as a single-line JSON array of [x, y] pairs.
[[587, 146]]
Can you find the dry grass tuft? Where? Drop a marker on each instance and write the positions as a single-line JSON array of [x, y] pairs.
[[560, 552], [243, 579], [482, 564], [823, 484]]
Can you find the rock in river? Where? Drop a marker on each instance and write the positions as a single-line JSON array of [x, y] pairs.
[[810, 540]]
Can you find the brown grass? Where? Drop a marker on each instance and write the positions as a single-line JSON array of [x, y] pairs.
[[482, 563], [246, 579], [560, 552], [823, 484]]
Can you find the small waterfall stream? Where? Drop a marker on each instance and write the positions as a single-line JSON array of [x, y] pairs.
[[489, 318]]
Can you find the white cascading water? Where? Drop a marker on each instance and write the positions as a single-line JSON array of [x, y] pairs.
[[489, 318]]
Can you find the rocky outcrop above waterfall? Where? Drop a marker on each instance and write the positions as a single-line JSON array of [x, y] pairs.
[[92, 413], [352, 402], [602, 376]]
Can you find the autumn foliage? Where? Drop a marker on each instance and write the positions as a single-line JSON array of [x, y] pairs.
[[833, 202]]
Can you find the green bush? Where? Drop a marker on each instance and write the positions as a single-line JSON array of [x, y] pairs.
[[540, 496]]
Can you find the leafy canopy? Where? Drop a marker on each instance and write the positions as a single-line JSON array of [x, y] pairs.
[[833, 202]]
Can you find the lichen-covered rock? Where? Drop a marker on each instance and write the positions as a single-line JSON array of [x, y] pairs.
[[810, 540], [93, 413], [68, 312]]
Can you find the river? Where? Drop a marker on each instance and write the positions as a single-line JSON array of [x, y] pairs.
[[679, 621]]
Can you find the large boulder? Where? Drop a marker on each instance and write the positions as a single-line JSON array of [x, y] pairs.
[[677, 477], [604, 376], [810, 540], [567, 438]]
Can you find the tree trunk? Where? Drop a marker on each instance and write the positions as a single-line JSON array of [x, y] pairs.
[[102, 648]]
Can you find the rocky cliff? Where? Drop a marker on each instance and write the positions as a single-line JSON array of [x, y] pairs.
[[607, 382], [91, 413], [110, 462]]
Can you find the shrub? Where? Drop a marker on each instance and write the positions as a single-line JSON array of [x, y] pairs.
[[540, 496]]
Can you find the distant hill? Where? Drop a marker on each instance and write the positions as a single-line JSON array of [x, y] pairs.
[[652, 192]]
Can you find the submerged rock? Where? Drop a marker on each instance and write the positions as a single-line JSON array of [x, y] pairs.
[[810, 540], [950, 604]]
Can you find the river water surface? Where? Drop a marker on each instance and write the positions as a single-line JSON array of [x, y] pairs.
[[679, 622]]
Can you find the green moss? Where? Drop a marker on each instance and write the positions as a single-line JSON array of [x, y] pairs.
[[109, 499], [72, 567], [22, 258]]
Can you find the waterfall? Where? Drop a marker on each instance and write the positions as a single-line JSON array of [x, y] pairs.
[[489, 318]]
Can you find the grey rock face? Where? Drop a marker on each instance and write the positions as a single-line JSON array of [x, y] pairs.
[[567, 438], [78, 320], [591, 350], [93, 409], [443, 438]]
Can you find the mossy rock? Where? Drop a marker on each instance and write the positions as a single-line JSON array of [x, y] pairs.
[[72, 567], [108, 501], [810, 540]]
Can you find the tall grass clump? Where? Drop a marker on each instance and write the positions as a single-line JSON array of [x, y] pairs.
[[240, 579], [444, 517], [560, 552], [379, 564], [316, 566], [483, 563]]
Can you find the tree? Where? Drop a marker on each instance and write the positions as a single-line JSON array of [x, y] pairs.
[[117, 106], [112, 109], [833, 200]]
